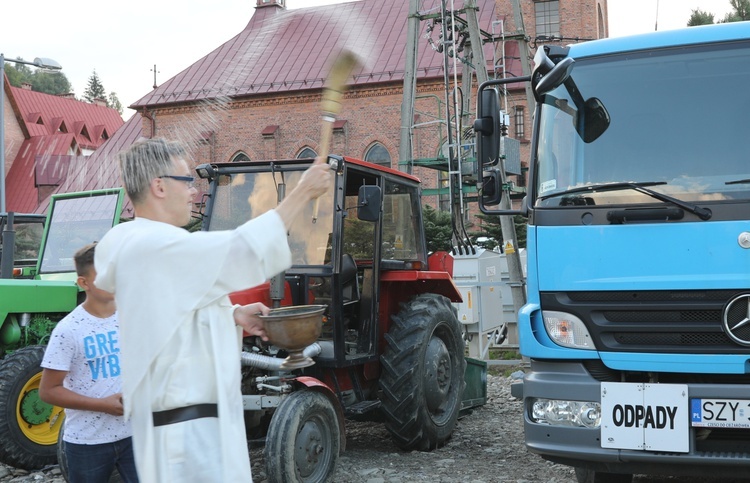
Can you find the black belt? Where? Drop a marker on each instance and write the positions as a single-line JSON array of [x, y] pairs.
[[178, 415]]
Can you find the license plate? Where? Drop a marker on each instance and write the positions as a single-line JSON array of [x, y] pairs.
[[649, 417], [720, 413]]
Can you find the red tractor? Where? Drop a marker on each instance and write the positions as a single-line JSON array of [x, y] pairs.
[[391, 346]]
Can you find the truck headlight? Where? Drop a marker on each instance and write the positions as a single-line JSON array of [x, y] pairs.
[[567, 330], [558, 412]]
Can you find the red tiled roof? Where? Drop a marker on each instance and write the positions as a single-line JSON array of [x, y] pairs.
[[291, 50], [45, 114], [22, 195], [100, 170]]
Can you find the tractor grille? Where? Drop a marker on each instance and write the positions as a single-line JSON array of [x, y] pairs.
[[688, 321]]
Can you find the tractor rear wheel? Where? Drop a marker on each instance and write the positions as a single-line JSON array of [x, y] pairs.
[[28, 426], [422, 380], [303, 439]]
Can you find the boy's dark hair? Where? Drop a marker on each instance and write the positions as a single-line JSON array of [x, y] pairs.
[[84, 259]]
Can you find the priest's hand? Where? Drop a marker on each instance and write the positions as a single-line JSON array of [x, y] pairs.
[[246, 316]]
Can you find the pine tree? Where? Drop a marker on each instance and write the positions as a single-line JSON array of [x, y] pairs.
[[95, 89], [699, 17], [437, 229]]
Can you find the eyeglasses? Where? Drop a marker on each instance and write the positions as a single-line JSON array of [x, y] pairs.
[[190, 180]]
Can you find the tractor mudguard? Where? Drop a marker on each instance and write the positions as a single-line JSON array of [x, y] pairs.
[[437, 282], [313, 384]]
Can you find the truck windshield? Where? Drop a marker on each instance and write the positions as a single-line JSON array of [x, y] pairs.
[[678, 121], [242, 197]]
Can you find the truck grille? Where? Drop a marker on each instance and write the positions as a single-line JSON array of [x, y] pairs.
[[650, 321]]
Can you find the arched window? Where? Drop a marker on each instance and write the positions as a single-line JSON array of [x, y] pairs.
[[240, 157], [378, 154], [307, 153]]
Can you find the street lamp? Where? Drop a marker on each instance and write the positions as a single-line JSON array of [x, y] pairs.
[[38, 62]]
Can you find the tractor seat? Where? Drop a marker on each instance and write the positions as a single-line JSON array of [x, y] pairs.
[[349, 280]]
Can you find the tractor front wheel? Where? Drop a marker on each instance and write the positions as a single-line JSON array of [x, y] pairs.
[[28, 426], [303, 439], [422, 381]]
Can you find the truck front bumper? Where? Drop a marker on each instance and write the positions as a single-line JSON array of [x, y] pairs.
[[720, 453]]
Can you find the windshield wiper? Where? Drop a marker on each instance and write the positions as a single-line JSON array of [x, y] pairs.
[[739, 181], [702, 213]]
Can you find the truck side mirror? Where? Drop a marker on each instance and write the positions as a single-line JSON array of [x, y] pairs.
[[487, 128], [595, 120], [554, 78], [369, 200]]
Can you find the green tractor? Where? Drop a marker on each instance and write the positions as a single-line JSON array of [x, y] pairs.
[[37, 289]]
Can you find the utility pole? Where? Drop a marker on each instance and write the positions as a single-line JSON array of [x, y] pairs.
[[507, 226], [523, 51], [410, 87]]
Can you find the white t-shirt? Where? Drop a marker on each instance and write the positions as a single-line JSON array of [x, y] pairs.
[[88, 348]]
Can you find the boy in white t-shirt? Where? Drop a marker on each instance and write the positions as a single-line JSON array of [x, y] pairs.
[[81, 373]]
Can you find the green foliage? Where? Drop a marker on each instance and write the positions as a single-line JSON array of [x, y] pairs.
[[491, 228], [437, 229], [740, 12], [41, 80], [359, 238], [114, 102], [94, 89], [699, 17]]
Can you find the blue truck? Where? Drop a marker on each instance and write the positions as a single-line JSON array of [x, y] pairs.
[[637, 326]]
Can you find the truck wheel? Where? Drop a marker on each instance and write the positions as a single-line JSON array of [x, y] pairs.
[[303, 439], [585, 475], [28, 426], [422, 381]]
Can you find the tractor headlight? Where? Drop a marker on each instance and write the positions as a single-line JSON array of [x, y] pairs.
[[557, 412], [567, 330]]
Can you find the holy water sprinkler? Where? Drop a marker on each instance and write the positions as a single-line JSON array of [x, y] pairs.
[[330, 104]]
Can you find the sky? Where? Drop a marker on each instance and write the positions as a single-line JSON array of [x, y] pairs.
[[123, 41]]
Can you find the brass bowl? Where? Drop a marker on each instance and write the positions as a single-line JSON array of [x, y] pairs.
[[293, 329]]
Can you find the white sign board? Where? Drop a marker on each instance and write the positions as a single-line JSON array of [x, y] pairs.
[[650, 417]]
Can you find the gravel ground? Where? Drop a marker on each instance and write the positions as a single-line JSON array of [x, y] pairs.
[[487, 447]]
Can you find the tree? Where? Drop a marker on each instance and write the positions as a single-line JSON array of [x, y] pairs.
[[699, 17], [114, 102], [50, 82], [95, 89], [490, 228], [740, 13], [437, 229], [41, 80]]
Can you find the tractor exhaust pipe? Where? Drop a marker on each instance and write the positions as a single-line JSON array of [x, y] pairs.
[[274, 363]]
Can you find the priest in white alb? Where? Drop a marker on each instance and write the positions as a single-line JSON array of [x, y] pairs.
[[180, 335]]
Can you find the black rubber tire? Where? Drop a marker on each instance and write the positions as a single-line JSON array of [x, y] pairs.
[[34, 445], [422, 379], [303, 440], [62, 461], [585, 475]]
